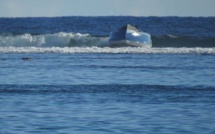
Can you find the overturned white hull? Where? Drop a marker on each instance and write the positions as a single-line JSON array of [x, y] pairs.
[[129, 36]]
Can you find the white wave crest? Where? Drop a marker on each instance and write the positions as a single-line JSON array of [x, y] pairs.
[[51, 40], [107, 50]]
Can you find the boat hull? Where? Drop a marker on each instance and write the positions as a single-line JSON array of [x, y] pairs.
[[129, 36]]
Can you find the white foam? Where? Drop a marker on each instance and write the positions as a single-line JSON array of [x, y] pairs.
[[107, 50], [50, 40]]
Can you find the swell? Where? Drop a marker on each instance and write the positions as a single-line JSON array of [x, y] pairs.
[[182, 41], [63, 39], [107, 88]]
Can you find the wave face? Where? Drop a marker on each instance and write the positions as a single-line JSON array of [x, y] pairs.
[[182, 41]]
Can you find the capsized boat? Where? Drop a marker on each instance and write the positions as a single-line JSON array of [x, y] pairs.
[[129, 36]]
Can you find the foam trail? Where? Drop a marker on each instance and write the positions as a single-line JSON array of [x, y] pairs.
[[107, 50]]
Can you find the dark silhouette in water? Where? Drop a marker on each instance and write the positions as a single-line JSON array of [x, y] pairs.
[[26, 58]]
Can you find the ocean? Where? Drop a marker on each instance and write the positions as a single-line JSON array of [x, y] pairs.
[[58, 76]]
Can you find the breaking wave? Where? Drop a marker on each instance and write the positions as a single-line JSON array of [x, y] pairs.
[[85, 43], [51, 40]]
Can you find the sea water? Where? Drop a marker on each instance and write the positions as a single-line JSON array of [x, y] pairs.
[[57, 75]]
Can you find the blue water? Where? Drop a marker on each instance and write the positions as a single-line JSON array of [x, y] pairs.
[[58, 76]]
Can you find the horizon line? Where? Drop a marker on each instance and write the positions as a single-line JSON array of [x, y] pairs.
[[103, 16]]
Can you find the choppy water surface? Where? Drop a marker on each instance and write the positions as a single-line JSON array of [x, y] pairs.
[[107, 93]]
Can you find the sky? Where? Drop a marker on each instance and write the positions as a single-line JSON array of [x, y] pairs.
[[50, 8]]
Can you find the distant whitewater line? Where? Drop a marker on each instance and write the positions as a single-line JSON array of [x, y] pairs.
[[64, 39], [107, 50]]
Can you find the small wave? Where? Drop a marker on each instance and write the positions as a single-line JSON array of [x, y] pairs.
[[99, 88]]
